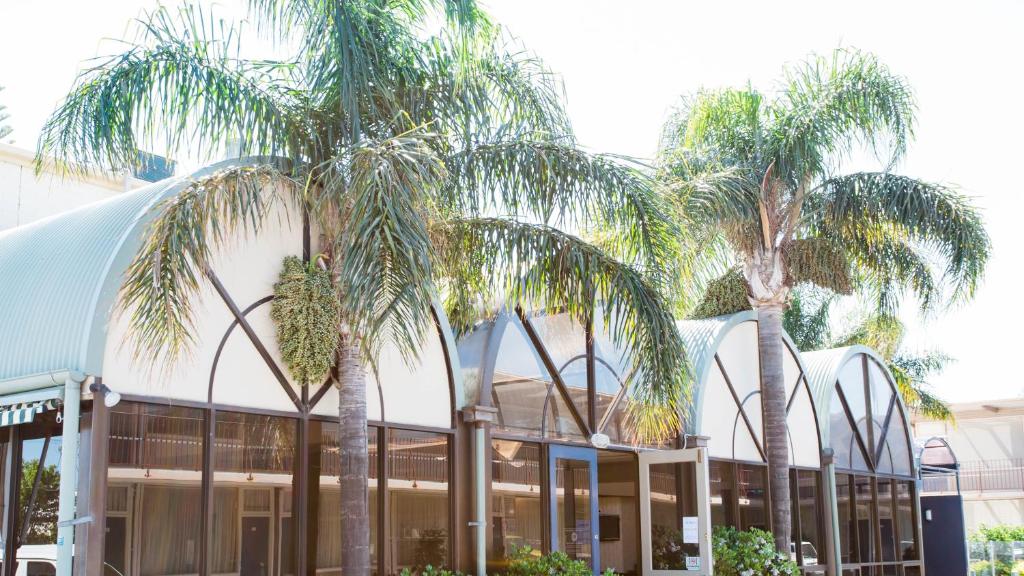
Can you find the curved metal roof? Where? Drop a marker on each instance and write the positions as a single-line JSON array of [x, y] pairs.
[[702, 339], [59, 279], [823, 368]]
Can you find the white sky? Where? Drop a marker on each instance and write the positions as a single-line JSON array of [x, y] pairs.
[[624, 64]]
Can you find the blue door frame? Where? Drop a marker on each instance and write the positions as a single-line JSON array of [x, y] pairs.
[[583, 454]]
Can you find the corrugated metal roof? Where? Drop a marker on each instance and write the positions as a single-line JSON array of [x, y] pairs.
[[59, 278]]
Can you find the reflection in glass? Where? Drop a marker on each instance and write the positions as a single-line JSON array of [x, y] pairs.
[[805, 502], [908, 549], [886, 520], [573, 528], [154, 498], [39, 484], [253, 468], [723, 496], [866, 519], [524, 393], [328, 468], [515, 499], [673, 494], [846, 529], [752, 486], [417, 499]]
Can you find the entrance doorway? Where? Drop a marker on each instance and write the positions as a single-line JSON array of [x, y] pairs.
[[574, 513], [675, 520]]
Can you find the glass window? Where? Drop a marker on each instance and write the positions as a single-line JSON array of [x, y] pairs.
[[417, 499], [573, 513], [515, 499], [673, 497], [866, 518], [908, 549], [886, 520], [723, 493], [752, 491], [253, 469], [848, 553], [524, 393], [806, 506], [39, 485], [154, 478], [328, 525]]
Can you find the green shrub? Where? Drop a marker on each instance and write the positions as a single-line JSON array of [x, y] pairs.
[[431, 571], [524, 561], [998, 533], [749, 553]]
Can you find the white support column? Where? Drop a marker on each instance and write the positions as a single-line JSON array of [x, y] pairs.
[[68, 474]]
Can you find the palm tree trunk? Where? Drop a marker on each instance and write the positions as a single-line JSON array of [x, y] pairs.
[[773, 387], [355, 517]]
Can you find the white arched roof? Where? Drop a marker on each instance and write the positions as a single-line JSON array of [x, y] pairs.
[[863, 418], [60, 278], [725, 357]]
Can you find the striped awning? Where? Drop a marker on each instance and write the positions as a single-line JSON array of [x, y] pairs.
[[15, 414]]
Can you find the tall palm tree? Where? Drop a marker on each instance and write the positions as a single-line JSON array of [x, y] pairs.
[[758, 178], [431, 152]]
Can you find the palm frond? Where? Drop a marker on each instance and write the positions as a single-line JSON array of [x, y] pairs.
[[382, 251], [182, 81], [534, 264], [831, 104], [164, 277], [807, 319], [929, 216], [559, 184]]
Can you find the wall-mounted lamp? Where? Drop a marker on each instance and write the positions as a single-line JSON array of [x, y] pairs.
[[110, 398]]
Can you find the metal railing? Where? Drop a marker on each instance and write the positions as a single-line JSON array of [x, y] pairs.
[[1006, 475]]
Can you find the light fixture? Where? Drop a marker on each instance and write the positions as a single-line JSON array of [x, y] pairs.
[[110, 398]]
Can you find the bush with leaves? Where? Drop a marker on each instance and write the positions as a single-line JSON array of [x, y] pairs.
[[998, 533], [306, 313], [749, 553], [524, 561]]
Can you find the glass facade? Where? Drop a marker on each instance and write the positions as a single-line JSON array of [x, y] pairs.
[[878, 533], [673, 497], [156, 479], [516, 519], [808, 549]]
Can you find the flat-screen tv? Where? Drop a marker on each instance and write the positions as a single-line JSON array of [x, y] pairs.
[[608, 525]]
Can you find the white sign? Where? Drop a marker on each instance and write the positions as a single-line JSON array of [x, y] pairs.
[[693, 562], [690, 535]]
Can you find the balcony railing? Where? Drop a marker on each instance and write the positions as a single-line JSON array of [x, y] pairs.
[[981, 476]]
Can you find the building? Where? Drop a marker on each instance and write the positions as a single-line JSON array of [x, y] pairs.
[[512, 435], [987, 438], [26, 196]]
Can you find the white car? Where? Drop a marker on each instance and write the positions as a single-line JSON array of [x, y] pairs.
[[36, 560], [808, 551]]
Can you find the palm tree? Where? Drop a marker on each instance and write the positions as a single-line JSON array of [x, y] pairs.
[[432, 153], [758, 180]]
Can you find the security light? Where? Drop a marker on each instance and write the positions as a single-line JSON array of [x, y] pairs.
[[110, 398]]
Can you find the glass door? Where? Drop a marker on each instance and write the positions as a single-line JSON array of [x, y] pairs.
[[675, 515], [572, 471]]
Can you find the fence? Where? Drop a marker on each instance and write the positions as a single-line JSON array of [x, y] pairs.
[[996, 558], [981, 476]]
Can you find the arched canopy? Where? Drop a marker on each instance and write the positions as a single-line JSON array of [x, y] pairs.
[[60, 278], [935, 453], [867, 426], [533, 368], [727, 392]]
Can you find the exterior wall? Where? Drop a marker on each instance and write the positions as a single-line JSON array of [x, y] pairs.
[[988, 441], [26, 197]]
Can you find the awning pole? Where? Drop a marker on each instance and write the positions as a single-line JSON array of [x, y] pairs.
[[68, 475]]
